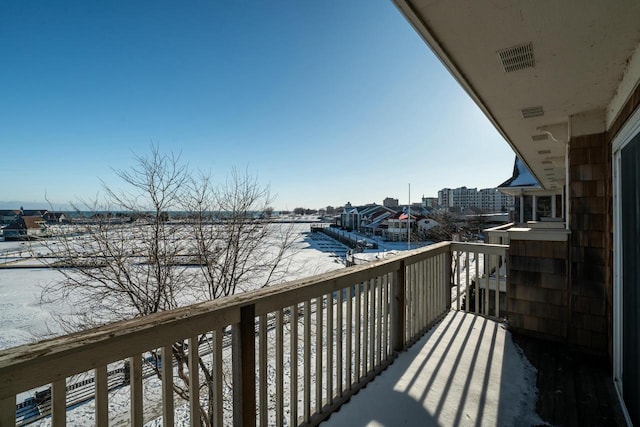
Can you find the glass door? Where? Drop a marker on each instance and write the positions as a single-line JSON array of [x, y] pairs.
[[626, 271], [630, 275]]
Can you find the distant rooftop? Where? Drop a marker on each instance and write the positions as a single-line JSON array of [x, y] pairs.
[[522, 178]]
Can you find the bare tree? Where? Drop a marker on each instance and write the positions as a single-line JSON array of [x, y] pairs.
[[449, 224], [142, 261]]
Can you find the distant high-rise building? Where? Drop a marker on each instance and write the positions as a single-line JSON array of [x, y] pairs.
[[487, 199], [390, 202], [429, 202]]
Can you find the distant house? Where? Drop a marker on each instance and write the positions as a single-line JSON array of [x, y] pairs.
[[374, 219], [8, 216], [26, 228], [55, 217], [397, 226], [426, 224], [33, 212], [367, 218]]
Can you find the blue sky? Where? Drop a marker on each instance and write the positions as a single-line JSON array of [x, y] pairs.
[[325, 101]]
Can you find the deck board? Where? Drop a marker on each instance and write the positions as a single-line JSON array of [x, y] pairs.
[[574, 389]]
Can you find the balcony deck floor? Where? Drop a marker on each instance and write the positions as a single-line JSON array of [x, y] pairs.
[[574, 389], [465, 371]]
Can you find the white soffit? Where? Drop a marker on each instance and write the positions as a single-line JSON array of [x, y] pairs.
[[563, 57]]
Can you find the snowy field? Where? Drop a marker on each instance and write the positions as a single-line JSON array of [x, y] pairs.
[[23, 319]]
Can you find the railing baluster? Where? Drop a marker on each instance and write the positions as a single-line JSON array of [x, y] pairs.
[[487, 294], [372, 323], [436, 281], [411, 302], [319, 402], [497, 291], [477, 283], [385, 316], [467, 292], [59, 403], [293, 380], [349, 326], [398, 311], [357, 325], [262, 371], [443, 281], [135, 380], [365, 329], [102, 396], [431, 284], [423, 283], [330, 356], [218, 407], [339, 342], [458, 262], [506, 281], [279, 367], [416, 302], [440, 284], [423, 291], [446, 268], [307, 361], [194, 382], [420, 302], [379, 320]]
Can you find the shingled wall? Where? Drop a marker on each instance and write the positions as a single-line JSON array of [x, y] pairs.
[[538, 295], [590, 206]]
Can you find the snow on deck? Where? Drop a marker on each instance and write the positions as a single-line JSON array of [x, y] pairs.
[[465, 371]]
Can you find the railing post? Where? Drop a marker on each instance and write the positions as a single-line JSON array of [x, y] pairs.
[[244, 374], [398, 310]]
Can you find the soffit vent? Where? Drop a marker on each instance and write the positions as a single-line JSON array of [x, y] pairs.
[[532, 112], [517, 58], [547, 162], [544, 152], [541, 137]]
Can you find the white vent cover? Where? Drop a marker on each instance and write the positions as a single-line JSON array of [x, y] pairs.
[[517, 58], [532, 112], [541, 137]]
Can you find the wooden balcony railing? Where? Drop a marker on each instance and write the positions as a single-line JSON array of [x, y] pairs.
[[498, 235], [296, 351]]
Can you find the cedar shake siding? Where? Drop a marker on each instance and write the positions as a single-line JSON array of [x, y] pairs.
[[590, 212], [538, 294]]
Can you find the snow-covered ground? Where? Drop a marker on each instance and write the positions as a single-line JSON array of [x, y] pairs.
[[23, 319], [465, 372]]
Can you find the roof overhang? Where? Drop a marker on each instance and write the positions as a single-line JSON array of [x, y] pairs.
[[541, 71]]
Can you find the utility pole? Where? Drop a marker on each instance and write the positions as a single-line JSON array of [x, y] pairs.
[[409, 220]]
